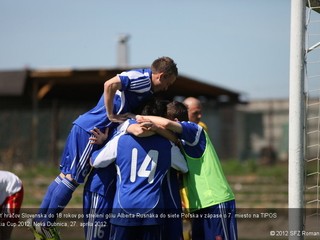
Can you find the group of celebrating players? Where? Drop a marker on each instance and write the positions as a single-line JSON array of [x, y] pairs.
[[142, 171]]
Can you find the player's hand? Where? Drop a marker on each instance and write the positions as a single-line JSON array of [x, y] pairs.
[[98, 136], [149, 126], [141, 119]]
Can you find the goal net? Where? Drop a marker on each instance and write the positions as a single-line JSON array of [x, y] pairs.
[[312, 119]]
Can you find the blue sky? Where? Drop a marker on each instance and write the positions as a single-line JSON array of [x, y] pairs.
[[242, 45]]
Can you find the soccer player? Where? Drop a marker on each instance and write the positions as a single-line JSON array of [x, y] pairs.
[[207, 189], [98, 192], [195, 111], [194, 107], [11, 197], [98, 195], [122, 94], [100, 186], [173, 225], [141, 167]]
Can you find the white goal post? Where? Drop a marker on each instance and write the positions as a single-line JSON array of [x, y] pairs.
[[296, 116], [304, 119]]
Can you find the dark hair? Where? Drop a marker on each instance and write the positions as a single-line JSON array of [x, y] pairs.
[[165, 65], [177, 110], [155, 107]]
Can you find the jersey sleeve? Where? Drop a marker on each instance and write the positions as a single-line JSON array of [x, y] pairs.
[[177, 160], [123, 126], [138, 81], [106, 155], [193, 139], [191, 133]]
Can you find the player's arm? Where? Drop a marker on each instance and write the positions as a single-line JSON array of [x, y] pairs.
[[105, 156], [164, 122], [111, 86], [146, 129], [178, 161], [140, 130], [165, 133]]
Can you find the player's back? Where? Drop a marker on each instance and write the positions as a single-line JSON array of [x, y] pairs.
[[141, 164], [135, 89]]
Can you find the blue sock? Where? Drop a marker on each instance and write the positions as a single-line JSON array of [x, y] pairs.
[[59, 199], [47, 198]]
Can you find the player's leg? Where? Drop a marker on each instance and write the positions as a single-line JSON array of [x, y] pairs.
[[60, 198], [40, 232], [173, 225], [151, 232], [47, 197], [222, 224], [96, 209], [64, 166], [12, 206], [228, 209], [98, 198], [5, 229], [197, 228], [43, 224], [118, 232], [75, 149], [76, 167], [45, 215]]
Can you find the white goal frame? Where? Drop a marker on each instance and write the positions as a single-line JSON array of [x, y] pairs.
[[297, 116]]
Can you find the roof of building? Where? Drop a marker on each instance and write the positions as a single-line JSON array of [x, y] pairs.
[[88, 84]]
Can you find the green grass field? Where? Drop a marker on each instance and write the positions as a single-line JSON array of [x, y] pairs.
[[37, 178]]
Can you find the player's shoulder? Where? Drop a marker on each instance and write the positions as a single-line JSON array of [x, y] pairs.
[[137, 73], [189, 125], [204, 126], [8, 177], [192, 132]]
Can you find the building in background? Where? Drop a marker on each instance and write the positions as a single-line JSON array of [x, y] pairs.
[[264, 130], [38, 106]]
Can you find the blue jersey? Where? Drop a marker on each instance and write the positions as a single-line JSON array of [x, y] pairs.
[[173, 208], [193, 139], [98, 195], [135, 89], [141, 163], [101, 180]]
